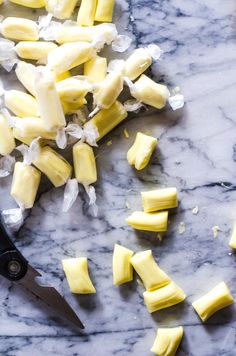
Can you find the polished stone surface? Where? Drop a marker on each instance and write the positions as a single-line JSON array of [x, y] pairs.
[[196, 153]]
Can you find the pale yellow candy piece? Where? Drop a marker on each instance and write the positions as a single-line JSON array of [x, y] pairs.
[[148, 221], [21, 103], [159, 199], [218, 298], [19, 137], [137, 63], [62, 9], [70, 55], [7, 141], [167, 341], [34, 50], [104, 10], [32, 127], [26, 74], [152, 275], [20, 29], [149, 92], [61, 76], [76, 271], [108, 90], [72, 89], [25, 185], [49, 104], [141, 151], [84, 163], [107, 119], [232, 242], [96, 69], [54, 166], [34, 4], [70, 108], [121, 266], [1, 2], [163, 297], [86, 12]]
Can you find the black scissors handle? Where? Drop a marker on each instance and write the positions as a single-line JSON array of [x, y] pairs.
[[13, 265]]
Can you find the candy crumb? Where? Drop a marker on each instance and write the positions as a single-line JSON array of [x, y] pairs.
[[215, 230], [109, 143], [126, 133], [181, 227], [195, 210]]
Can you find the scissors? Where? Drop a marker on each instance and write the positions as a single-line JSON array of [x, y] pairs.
[[16, 269]]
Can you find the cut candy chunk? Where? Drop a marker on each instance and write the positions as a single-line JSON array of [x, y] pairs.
[[86, 12], [218, 298], [167, 341], [25, 185], [137, 63], [76, 271], [104, 10], [148, 221], [159, 199], [152, 276], [84, 164], [62, 9], [121, 266], [108, 90], [7, 141], [140, 152], [96, 69]]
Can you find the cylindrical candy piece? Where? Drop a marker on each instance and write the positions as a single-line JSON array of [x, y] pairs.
[[34, 50], [54, 166], [141, 151], [108, 90], [72, 89], [163, 297], [70, 108], [34, 4], [149, 92], [137, 63], [20, 29], [7, 141], [32, 127], [96, 69], [20, 103], [152, 275], [159, 199], [84, 163], [107, 119], [148, 221], [167, 341], [62, 9], [70, 55], [121, 266], [49, 104], [104, 10], [76, 271], [26, 74], [25, 185], [86, 12], [218, 298]]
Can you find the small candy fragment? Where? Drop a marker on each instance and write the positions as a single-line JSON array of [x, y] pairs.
[[76, 271], [108, 90], [49, 105], [20, 103], [61, 9], [152, 275], [32, 127], [140, 152], [86, 14], [148, 221], [121, 266], [70, 55], [107, 119], [84, 164], [7, 141], [160, 199], [26, 74], [232, 242], [167, 341], [25, 185], [54, 166], [34, 50], [20, 29], [96, 69], [104, 10], [150, 92], [218, 298], [34, 4], [163, 297]]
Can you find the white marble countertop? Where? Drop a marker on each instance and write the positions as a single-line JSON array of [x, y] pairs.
[[196, 153]]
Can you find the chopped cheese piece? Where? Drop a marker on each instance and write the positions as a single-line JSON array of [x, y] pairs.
[[122, 268]]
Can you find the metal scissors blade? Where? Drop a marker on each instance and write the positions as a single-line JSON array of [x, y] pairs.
[[50, 296]]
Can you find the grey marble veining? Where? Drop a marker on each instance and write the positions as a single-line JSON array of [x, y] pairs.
[[196, 153]]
